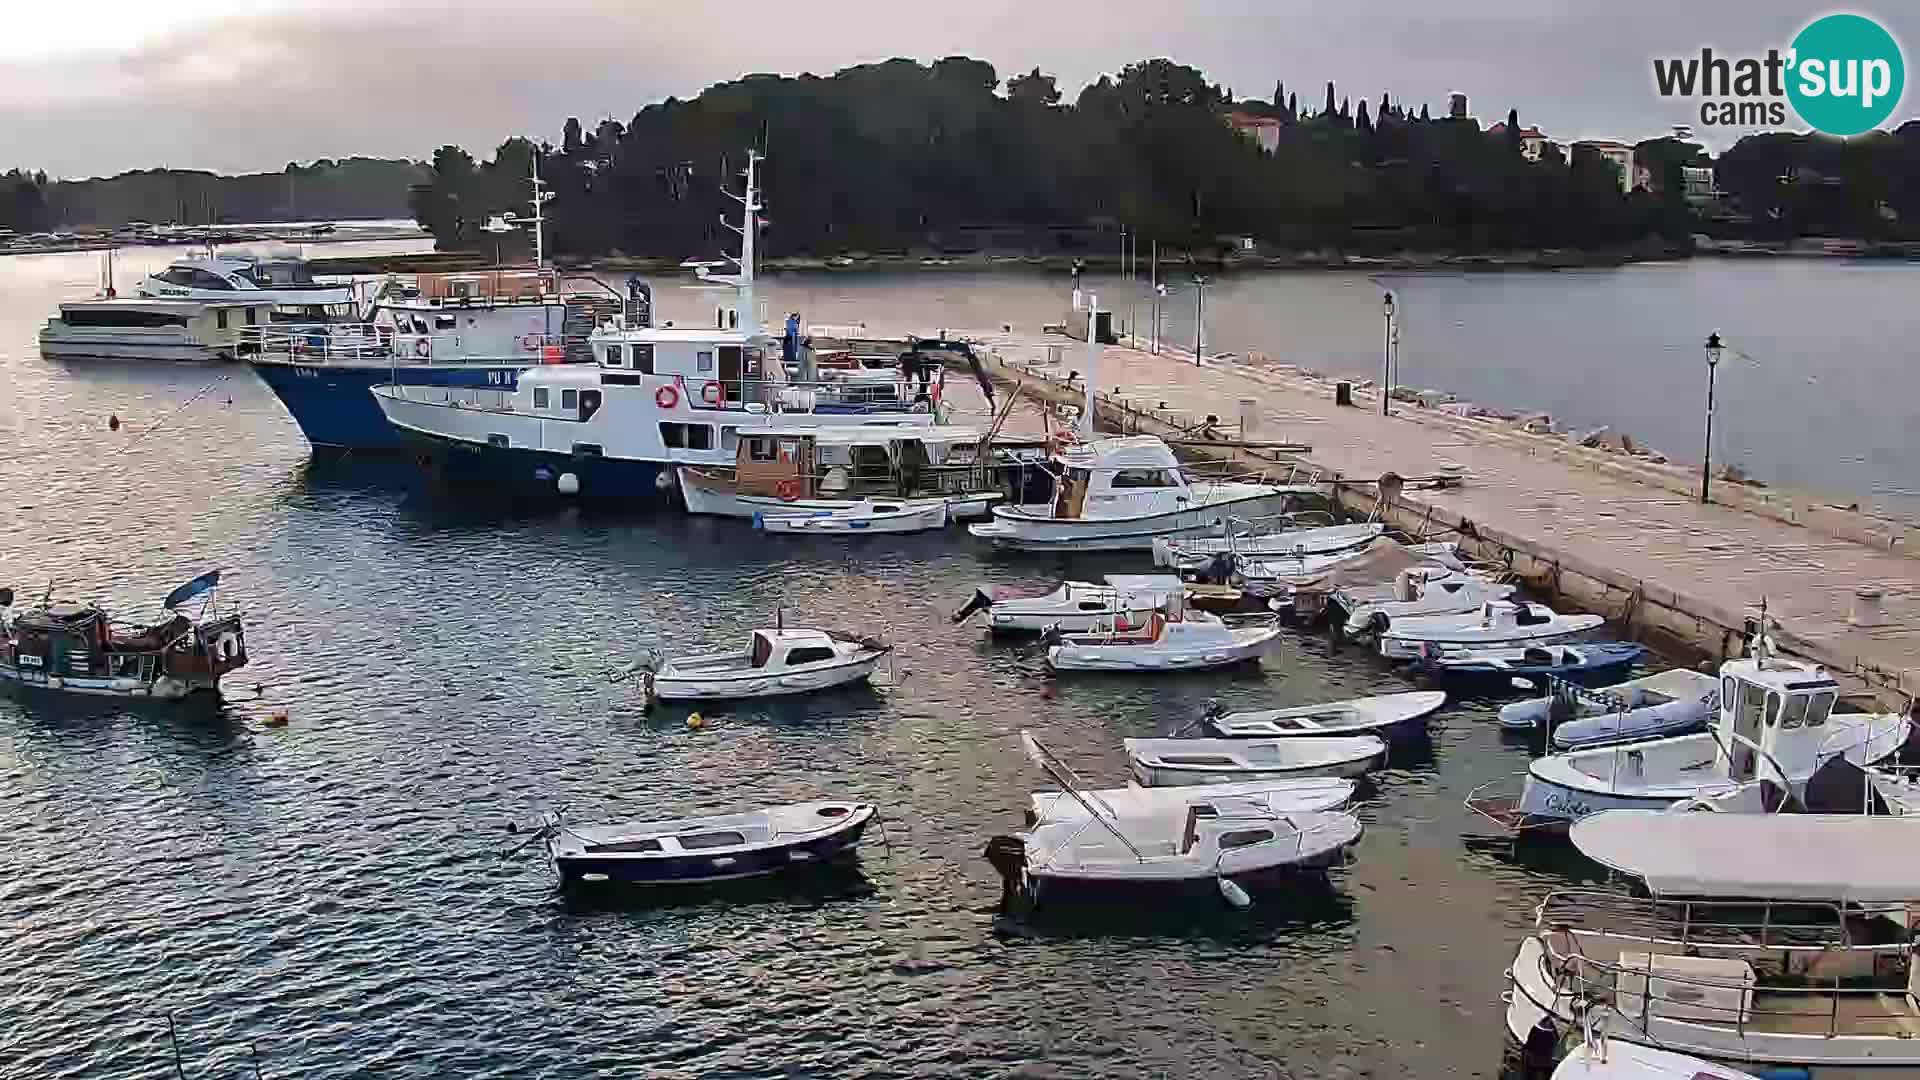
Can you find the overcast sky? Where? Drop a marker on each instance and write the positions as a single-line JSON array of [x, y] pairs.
[[100, 86]]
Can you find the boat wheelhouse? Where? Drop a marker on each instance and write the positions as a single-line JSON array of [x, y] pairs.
[[147, 329], [806, 470], [1764, 940]]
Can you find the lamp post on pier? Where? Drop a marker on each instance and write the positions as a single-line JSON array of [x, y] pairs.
[[1199, 314], [1706, 456], [1386, 357]]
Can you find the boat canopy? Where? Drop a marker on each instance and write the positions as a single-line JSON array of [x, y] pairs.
[[1789, 857]]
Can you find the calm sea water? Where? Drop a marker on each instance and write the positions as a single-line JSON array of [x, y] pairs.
[[1816, 390], [331, 895]]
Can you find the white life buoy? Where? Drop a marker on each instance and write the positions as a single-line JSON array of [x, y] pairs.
[[666, 397], [423, 348], [710, 393]]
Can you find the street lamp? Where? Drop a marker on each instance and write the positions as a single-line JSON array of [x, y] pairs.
[[1386, 359], [1706, 458], [1199, 308], [1159, 298]]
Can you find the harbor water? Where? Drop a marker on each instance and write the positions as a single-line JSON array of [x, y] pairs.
[[331, 896]]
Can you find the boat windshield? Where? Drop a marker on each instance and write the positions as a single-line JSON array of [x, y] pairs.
[[280, 273]]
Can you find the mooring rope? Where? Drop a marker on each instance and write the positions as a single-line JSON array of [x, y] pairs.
[[151, 428]]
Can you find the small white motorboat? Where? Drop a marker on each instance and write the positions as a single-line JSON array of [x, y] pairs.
[[1282, 575], [1774, 729], [910, 516], [1180, 762], [1073, 607], [1385, 715], [1304, 794], [776, 662], [1193, 552], [1418, 591], [1162, 640], [1671, 702], [1617, 1059], [1498, 623], [703, 850], [1205, 837]]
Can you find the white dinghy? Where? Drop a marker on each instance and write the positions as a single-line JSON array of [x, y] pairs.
[[1118, 494], [1420, 591], [1193, 552], [1304, 794], [1671, 702], [867, 516], [1497, 624], [1228, 843], [775, 663], [1770, 940], [1181, 762], [1775, 727], [1077, 607], [1385, 715], [1167, 638]]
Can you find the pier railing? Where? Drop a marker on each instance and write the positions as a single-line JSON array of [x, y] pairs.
[[361, 343]]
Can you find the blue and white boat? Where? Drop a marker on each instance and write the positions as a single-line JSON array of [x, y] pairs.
[[1498, 668], [474, 331], [704, 850], [656, 397]]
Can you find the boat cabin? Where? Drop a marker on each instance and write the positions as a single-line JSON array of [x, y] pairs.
[[216, 325], [853, 463], [282, 278], [1121, 477], [1773, 708], [790, 648]]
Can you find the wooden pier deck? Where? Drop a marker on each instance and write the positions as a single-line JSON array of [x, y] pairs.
[[1608, 533]]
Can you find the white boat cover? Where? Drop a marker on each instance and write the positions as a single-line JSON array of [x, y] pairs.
[[1806, 857]]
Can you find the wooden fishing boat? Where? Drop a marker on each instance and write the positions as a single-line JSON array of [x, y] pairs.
[[1385, 715], [1179, 762], [703, 850], [866, 516], [81, 649]]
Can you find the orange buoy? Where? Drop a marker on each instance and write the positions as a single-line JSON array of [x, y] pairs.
[[277, 718]]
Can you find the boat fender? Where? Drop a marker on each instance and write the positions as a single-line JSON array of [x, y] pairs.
[[663, 480], [667, 396], [788, 490], [423, 348], [567, 484], [710, 393], [695, 722], [1234, 894]]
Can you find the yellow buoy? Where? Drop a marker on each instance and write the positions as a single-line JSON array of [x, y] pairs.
[[696, 721]]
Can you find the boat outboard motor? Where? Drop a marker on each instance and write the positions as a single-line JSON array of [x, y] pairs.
[[1008, 854], [979, 601], [639, 303]]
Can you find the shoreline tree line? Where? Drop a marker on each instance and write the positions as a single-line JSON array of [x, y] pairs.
[[948, 156]]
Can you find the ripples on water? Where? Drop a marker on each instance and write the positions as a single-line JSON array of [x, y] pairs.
[[332, 893]]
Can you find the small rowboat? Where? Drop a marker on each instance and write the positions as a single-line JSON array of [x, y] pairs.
[[701, 850], [1498, 624], [1303, 795], [1178, 762], [914, 515], [1386, 715]]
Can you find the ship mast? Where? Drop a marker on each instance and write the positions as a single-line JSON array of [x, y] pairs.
[[540, 197], [749, 229]]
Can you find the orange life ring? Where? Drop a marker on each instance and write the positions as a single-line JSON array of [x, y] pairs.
[[423, 348], [710, 393], [788, 490], [666, 397]]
